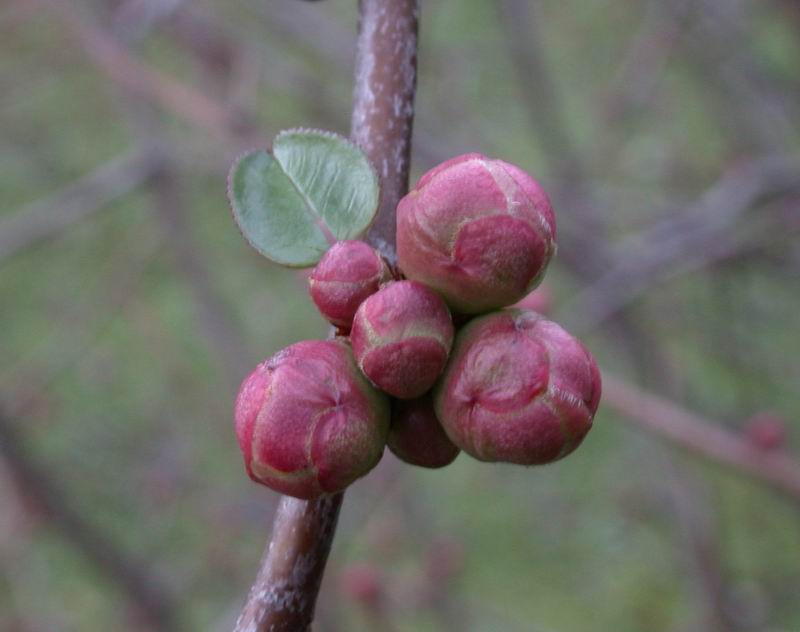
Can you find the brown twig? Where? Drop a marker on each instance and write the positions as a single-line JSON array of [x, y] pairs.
[[284, 594], [383, 104], [709, 439], [145, 592], [283, 597]]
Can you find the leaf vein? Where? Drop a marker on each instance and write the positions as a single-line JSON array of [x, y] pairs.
[[310, 206]]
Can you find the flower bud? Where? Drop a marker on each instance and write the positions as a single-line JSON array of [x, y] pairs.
[[347, 274], [766, 431], [417, 437], [401, 338], [363, 584], [307, 421], [480, 232], [518, 388]]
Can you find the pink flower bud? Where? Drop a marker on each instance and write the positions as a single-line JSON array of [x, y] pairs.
[[401, 338], [307, 421], [363, 584], [347, 274], [518, 388], [417, 437], [766, 431], [480, 232]]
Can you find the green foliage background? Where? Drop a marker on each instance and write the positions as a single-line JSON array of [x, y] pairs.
[[122, 394]]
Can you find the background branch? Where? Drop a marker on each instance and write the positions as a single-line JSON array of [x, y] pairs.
[[151, 599], [682, 239], [700, 436], [47, 217], [119, 64]]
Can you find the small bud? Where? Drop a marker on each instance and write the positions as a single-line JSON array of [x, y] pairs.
[[766, 431], [401, 338], [347, 274], [307, 421], [417, 437], [518, 388], [480, 232], [363, 584]]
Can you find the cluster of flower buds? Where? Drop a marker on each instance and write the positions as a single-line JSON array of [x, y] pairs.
[[473, 237]]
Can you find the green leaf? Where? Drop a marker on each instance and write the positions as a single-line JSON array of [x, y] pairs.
[[314, 189]]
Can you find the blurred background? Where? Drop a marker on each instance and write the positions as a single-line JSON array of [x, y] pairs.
[[130, 309]]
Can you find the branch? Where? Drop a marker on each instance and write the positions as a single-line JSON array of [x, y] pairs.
[[695, 522], [535, 82], [709, 439], [46, 218], [724, 44], [217, 323], [383, 103], [284, 594], [582, 245], [145, 592], [681, 240], [641, 70], [142, 79], [80, 325], [283, 597], [193, 106]]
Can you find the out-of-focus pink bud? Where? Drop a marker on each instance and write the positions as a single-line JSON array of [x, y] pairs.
[[480, 232], [307, 421], [540, 300], [401, 338], [766, 431], [347, 274], [518, 388], [363, 584], [417, 437]]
